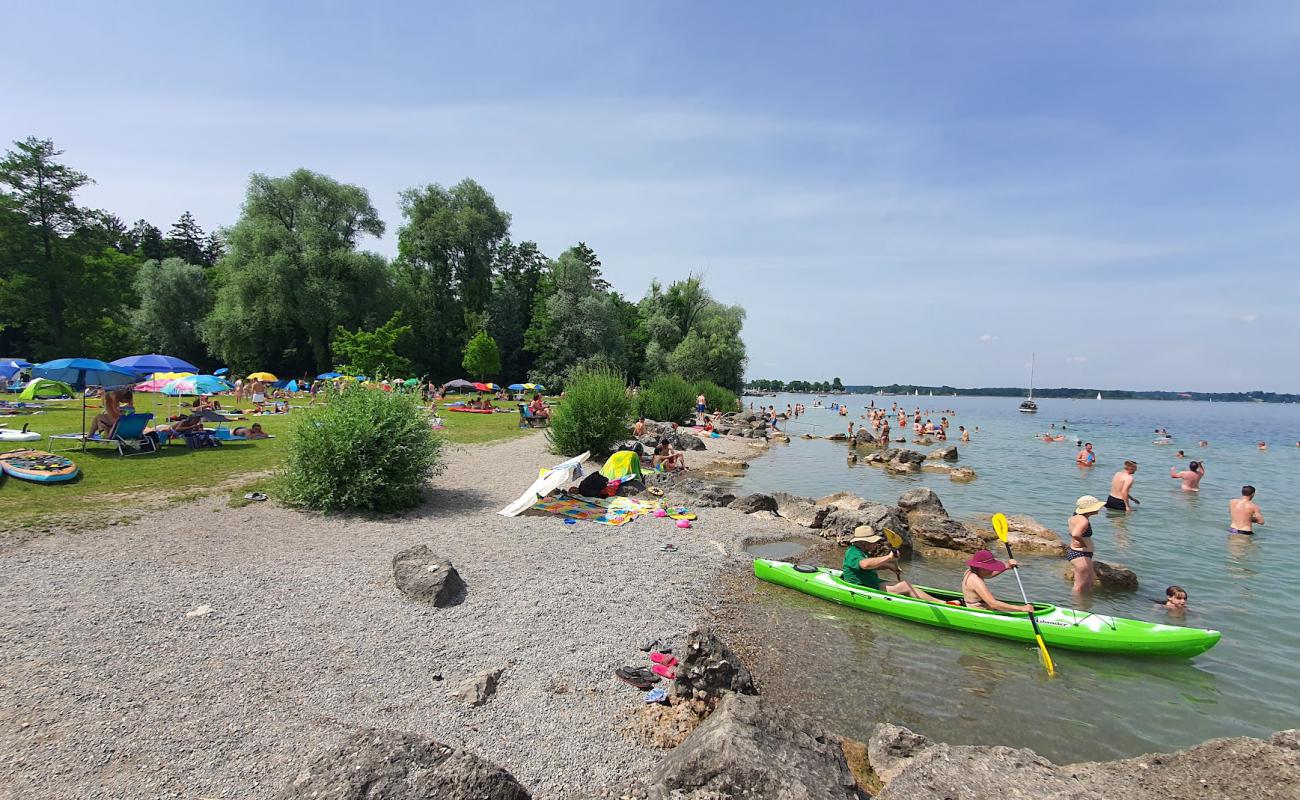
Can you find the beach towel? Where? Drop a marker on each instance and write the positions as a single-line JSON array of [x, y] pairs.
[[614, 511]]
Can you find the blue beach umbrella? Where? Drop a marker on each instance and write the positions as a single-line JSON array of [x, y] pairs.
[[82, 372], [516, 387], [154, 362], [196, 384], [221, 371], [8, 369], [22, 362], [329, 376]]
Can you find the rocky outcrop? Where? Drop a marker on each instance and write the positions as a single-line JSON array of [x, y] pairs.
[[912, 767], [725, 468], [1109, 576], [708, 668], [841, 501], [838, 437], [932, 530], [962, 475], [687, 441], [395, 765], [748, 749], [1024, 533], [424, 576], [905, 461], [713, 497], [840, 524], [800, 510], [863, 437], [945, 453], [479, 689], [754, 502]]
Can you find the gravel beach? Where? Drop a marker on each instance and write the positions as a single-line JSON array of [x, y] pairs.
[[115, 682]]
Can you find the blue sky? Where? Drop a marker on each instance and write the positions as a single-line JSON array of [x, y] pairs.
[[895, 192]]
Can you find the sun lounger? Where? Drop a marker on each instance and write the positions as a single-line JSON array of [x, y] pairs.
[[127, 434]]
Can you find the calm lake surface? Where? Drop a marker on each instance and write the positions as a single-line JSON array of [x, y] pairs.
[[855, 669]]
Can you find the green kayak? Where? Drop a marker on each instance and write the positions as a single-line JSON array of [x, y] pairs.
[[1061, 627]]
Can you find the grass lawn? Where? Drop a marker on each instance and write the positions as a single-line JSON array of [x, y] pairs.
[[110, 486]]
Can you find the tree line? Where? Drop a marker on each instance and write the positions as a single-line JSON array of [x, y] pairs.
[[288, 288], [769, 385]]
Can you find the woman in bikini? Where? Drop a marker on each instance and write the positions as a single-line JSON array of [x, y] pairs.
[[1079, 552], [975, 591]]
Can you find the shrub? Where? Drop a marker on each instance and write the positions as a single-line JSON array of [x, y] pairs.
[[716, 397], [366, 450], [595, 414], [666, 398]]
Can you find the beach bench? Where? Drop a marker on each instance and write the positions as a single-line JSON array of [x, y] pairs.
[[527, 419]]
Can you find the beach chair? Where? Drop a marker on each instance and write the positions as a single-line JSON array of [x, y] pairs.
[[127, 434], [527, 419]]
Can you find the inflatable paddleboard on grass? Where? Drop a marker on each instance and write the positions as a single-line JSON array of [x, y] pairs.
[[23, 435], [38, 466]]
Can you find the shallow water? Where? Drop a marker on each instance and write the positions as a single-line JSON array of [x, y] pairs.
[[856, 668]]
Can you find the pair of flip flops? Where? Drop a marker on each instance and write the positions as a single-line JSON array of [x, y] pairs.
[[640, 677], [665, 665]]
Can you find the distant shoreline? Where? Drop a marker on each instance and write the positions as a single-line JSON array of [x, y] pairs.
[[1050, 394]]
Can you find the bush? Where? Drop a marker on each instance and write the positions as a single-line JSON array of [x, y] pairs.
[[595, 414], [366, 450], [716, 397], [667, 398]]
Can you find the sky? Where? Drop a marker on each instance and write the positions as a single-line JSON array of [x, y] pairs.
[[926, 193]]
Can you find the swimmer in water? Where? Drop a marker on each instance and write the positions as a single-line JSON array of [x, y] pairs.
[[1121, 484], [1175, 599], [1191, 477]]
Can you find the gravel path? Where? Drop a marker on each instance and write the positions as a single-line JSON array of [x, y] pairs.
[[108, 688]]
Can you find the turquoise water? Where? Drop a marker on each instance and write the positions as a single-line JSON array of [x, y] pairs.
[[857, 669]]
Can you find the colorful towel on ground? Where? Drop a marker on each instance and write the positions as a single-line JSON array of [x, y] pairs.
[[603, 511]]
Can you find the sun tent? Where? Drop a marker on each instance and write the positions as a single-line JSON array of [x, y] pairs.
[[44, 389], [549, 480], [622, 465]]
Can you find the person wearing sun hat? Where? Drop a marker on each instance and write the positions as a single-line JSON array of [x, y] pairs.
[[1079, 551], [860, 567], [975, 591]]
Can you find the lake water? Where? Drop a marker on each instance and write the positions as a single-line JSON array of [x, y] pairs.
[[854, 669]]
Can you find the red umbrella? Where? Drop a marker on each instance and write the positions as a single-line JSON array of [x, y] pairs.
[[482, 387]]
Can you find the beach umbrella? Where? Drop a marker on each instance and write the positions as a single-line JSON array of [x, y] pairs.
[[195, 385], [19, 361], [221, 371], [8, 369], [329, 376], [170, 376], [82, 372], [517, 387], [536, 386], [154, 362], [459, 383], [410, 382], [262, 376], [152, 385]]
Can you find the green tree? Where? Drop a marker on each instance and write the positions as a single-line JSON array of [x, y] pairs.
[[575, 323], [519, 272], [146, 241], [42, 258], [174, 298], [837, 385], [482, 358], [446, 251], [293, 275], [688, 332], [187, 241], [373, 353]]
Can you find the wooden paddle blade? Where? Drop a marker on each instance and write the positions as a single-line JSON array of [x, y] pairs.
[[1000, 525], [895, 541]]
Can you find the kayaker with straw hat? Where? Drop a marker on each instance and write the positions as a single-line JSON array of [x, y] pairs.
[[975, 592], [1079, 551], [860, 567]]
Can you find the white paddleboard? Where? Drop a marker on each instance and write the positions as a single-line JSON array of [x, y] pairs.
[[552, 479], [19, 436]]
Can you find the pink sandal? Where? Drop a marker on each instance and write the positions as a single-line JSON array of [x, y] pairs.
[[666, 659], [664, 672]]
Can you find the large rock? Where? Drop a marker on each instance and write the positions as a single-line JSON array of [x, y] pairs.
[[932, 528], [838, 437], [841, 501], [1024, 533], [905, 461], [862, 436], [725, 468], [912, 767], [479, 689], [708, 669], [748, 749], [713, 497], [754, 502], [840, 524], [687, 441], [962, 475], [424, 576], [1109, 576], [800, 510], [945, 453], [394, 765]]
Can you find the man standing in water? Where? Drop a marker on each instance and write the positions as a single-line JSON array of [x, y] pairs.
[[1243, 512], [1086, 457], [1120, 486], [1191, 477]]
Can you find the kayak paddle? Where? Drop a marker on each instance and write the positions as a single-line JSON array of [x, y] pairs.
[[1000, 528]]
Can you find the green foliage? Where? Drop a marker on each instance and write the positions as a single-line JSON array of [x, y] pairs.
[[595, 414], [174, 298], [482, 358], [366, 450], [293, 275], [693, 335], [716, 397], [373, 353], [576, 322], [666, 398]]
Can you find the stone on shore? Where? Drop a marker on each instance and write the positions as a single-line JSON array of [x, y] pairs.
[[708, 669], [840, 524], [932, 528], [945, 453], [725, 468], [912, 767], [687, 441], [479, 689], [746, 748], [841, 501], [395, 765], [424, 576], [1024, 533], [758, 501], [1109, 576], [801, 511]]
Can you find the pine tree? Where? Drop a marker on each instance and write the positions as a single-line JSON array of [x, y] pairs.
[[186, 240]]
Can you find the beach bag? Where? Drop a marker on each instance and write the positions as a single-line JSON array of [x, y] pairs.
[[593, 485]]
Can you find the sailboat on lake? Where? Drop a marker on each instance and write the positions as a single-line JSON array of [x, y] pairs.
[[1029, 406]]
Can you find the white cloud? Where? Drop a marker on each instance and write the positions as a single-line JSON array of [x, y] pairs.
[[988, 337], [1250, 318], [1077, 359]]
